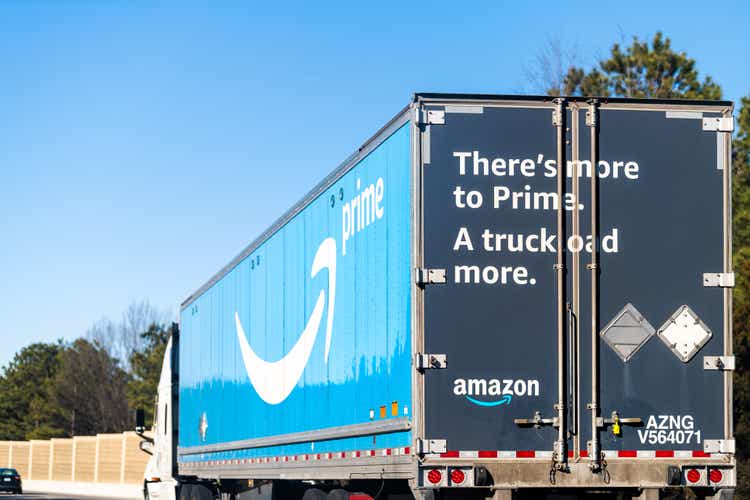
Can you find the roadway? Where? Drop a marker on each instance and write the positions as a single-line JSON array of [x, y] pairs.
[[49, 496]]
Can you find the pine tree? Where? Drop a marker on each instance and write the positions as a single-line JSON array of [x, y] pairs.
[[641, 70]]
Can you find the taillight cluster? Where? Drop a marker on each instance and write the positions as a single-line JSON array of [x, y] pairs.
[[435, 476], [695, 476], [715, 475], [449, 476], [457, 477]]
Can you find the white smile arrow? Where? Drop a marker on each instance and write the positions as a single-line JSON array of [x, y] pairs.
[[274, 381]]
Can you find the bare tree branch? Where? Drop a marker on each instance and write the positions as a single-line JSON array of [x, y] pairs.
[[122, 339], [547, 74]]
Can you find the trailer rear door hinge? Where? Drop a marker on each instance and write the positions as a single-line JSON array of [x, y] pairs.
[[722, 363], [724, 124], [718, 446], [592, 113], [430, 276], [431, 361], [723, 280], [425, 446], [433, 117], [557, 117]]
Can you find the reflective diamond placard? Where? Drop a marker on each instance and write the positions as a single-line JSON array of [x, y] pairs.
[[684, 333], [627, 332]]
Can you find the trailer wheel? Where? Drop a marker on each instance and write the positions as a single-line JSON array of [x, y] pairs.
[[186, 491], [315, 494], [339, 494], [201, 492]]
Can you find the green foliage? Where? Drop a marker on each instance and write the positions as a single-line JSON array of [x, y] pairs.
[[642, 70], [741, 319], [79, 388], [741, 178], [25, 409], [89, 390], [146, 367]]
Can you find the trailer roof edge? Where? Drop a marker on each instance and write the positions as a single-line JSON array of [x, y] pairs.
[[382, 133], [343, 167], [430, 96]]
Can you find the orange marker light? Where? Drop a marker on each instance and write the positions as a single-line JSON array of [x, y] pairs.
[[394, 409]]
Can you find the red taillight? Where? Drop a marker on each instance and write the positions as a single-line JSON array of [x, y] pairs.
[[715, 475], [457, 476], [693, 475], [434, 476]]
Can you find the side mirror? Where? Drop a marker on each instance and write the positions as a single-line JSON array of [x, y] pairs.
[[140, 421], [146, 447]]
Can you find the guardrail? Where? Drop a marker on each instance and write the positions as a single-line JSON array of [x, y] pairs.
[[104, 458]]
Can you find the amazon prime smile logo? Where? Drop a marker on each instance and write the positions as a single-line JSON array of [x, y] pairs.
[[275, 380], [494, 392]]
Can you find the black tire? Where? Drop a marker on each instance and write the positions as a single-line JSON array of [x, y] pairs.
[[201, 492], [338, 494], [315, 494], [186, 491]]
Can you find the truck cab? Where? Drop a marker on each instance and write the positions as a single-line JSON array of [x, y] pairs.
[[159, 479]]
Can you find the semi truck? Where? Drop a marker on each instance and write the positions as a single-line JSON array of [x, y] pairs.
[[494, 296]]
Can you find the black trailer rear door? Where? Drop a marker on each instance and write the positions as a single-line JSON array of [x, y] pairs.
[[661, 208], [490, 223]]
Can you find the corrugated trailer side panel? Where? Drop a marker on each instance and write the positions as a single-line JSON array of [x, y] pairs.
[[310, 331]]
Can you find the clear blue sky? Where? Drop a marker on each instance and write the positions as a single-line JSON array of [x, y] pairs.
[[143, 144]]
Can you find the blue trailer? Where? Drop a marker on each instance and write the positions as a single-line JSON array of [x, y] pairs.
[[451, 313]]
